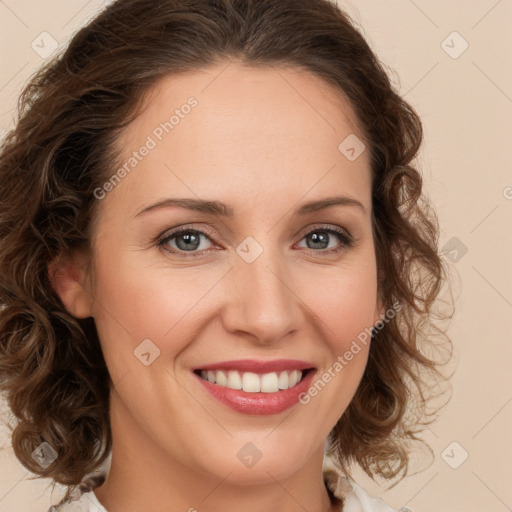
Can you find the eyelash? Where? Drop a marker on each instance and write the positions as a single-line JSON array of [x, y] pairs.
[[346, 239]]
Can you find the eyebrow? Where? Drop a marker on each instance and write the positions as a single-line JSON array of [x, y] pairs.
[[219, 209]]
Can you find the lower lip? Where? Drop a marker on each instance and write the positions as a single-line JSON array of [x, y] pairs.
[[258, 403]]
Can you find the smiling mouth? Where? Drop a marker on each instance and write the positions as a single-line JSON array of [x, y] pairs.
[[250, 382]]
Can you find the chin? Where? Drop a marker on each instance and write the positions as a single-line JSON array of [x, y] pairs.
[[263, 472], [253, 463]]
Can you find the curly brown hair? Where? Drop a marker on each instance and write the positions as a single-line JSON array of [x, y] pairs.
[[52, 371]]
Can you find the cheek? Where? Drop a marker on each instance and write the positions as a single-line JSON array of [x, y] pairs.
[[135, 303], [345, 302]]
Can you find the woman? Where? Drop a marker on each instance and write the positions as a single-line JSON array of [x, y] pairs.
[[217, 263]]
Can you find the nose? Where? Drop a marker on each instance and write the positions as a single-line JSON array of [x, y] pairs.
[[261, 303]]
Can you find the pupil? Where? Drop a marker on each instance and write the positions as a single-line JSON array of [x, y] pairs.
[[322, 239], [190, 239]]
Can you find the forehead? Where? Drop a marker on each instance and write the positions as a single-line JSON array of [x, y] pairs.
[[252, 130]]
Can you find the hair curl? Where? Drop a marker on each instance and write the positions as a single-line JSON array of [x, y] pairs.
[[52, 371]]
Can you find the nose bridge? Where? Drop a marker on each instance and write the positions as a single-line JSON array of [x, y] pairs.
[[263, 303]]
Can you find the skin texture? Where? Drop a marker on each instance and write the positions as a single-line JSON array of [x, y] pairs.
[[263, 141]]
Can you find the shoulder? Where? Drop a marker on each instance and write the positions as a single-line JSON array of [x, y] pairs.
[[87, 502], [82, 498], [349, 496], [366, 502]]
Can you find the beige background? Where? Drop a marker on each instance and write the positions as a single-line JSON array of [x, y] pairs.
[[466, 106]]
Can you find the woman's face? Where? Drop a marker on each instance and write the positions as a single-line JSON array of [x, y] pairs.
[[267, 283]]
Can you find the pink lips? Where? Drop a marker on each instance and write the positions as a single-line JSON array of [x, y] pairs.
[[258, 403]]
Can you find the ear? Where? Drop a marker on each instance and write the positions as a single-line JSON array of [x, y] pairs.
[[68, 278], [379, 314], [380, 310]]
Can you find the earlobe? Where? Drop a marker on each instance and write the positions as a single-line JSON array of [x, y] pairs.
[[67, 278]]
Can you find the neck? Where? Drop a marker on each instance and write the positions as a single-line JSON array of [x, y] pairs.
[[142, 476]]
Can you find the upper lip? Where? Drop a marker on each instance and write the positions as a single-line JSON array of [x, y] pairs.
[[258, 366]]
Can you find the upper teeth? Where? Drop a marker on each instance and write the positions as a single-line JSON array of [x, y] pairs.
[[252, 382]]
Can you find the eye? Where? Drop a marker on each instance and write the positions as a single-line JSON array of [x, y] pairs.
[[320, 236], [184, 240], [187, 240]]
